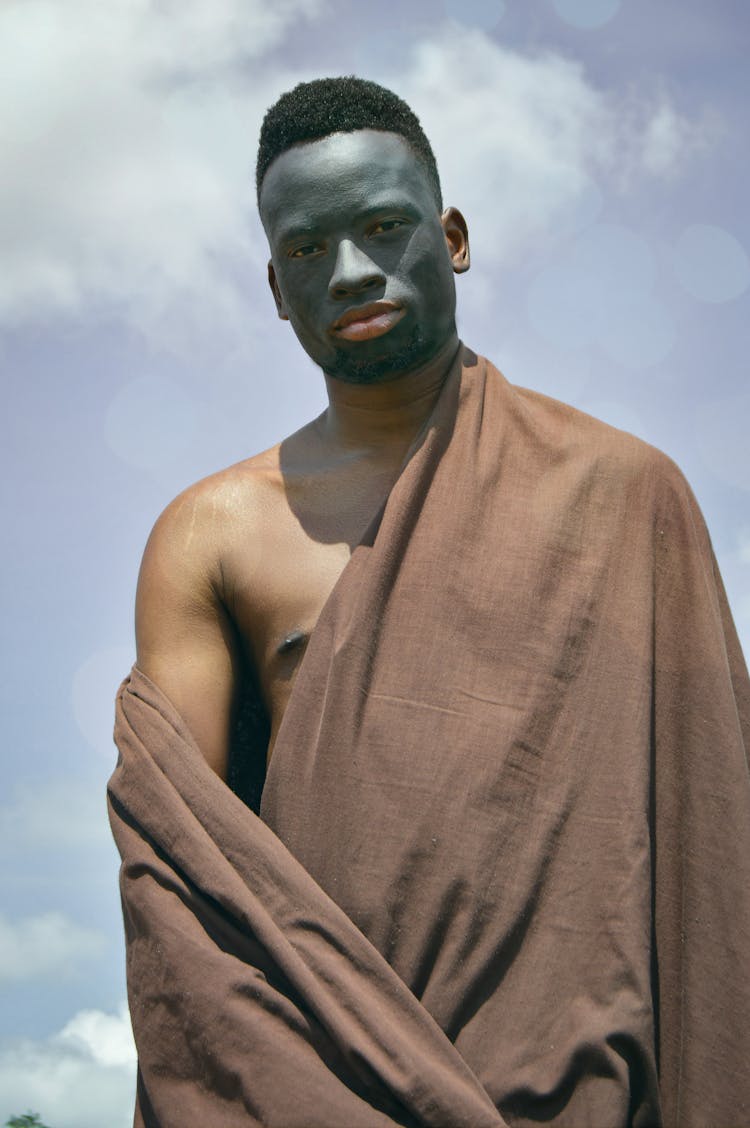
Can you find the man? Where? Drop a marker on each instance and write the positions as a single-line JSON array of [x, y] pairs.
[[246, 560], [507, 713]]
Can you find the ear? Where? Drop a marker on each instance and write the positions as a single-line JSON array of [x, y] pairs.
[[273, 283], [457, 238]]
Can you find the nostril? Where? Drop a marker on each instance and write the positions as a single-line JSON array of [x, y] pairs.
[[342, 289]]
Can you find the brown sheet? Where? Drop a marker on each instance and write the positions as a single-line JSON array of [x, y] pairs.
[[505, 848]]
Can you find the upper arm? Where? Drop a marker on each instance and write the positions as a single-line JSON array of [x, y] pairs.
[[185, 641]]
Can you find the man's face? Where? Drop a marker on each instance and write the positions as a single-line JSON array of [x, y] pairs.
[[361, 261]]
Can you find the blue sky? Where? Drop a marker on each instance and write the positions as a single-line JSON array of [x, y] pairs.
[[599, 151]]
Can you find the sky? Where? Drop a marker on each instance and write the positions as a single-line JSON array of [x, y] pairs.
[[599, 151]]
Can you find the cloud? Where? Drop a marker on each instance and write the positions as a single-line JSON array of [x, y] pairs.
[[666, 139], [127, 182], [107, 1038], [523, 139], [128, 169], [81, 1077], [46, 945]]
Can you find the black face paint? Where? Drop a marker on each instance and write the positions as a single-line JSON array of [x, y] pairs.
[[353, 225]]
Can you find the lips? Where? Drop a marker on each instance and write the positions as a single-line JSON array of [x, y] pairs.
[[367, 321]]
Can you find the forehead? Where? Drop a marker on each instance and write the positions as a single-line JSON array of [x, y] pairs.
[[345, 172]]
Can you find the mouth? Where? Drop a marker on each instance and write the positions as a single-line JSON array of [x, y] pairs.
[[367, 321]]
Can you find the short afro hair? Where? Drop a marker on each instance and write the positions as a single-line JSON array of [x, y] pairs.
[[313, 110]]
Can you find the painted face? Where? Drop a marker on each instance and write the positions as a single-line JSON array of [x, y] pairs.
[[362, 262]]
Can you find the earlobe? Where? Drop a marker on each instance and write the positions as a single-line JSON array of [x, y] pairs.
[[457, 239], [277, 296]]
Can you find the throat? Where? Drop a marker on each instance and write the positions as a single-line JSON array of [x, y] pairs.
[[386, 414]]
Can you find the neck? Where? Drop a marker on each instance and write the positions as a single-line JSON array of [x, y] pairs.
[[389, 413]]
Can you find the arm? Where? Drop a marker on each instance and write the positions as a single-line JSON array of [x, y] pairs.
[[185, 640]]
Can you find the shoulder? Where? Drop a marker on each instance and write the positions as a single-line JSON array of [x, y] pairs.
[[571, 450], [606, 452], [630, 483], [199, 525], [222, 498]]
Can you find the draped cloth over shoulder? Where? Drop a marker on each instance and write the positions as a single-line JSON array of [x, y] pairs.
[[501, 874]]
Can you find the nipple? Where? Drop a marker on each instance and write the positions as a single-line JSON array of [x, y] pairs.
[[290, 641]]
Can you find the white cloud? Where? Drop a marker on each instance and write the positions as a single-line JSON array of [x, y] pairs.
[[49, 944], [107, 1038], [522, 138], [666, 137], [517, 137], [128, 177], [529, 148], [81, 1077], [127, 136]]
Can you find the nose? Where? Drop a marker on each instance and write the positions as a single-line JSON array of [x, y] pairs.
[[353, 271]]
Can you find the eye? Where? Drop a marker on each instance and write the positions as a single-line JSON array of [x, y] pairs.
[[305, 250], [385, 225]]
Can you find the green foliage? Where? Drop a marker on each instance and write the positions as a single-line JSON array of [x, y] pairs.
[[27, 1120]]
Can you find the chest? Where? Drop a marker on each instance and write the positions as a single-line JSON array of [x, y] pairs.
[[282, 574]]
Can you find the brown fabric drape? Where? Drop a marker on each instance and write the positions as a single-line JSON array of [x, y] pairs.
[[501, 871]]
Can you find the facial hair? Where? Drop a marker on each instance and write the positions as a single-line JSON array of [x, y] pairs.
[[351, 370]]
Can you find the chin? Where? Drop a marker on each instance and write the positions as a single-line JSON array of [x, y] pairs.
[[347, 367]]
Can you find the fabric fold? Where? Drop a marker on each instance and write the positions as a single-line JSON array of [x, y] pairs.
[[501, 870], [253, 997]]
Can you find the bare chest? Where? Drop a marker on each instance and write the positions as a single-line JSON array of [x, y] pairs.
[[292, 535], [281, 584]]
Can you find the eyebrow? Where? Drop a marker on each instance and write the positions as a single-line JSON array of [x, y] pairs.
[[387, 204], [301, 230]]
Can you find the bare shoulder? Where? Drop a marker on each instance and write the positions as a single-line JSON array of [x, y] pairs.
[[203, 547], [209, 516], [218, 534]]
